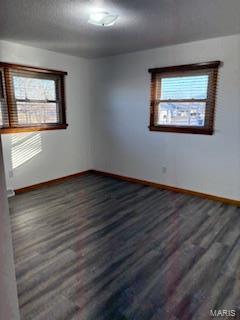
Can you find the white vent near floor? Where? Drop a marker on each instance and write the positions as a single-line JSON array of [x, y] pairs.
[[10, 193]]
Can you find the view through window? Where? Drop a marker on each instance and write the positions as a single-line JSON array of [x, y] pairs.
[[183, 101], [36, 100]]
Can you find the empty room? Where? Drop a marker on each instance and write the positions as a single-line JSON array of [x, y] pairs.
[[119, 159]]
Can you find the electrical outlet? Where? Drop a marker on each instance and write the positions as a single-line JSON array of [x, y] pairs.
[[164, 169]]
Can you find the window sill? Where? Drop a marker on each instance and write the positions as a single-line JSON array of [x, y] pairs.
[[192, 130], [32, 129]]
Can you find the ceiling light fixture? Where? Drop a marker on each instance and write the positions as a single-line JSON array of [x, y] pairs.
[[103, 19]]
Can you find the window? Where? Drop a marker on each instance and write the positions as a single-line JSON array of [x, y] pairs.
[[183, 98], [31, 99]]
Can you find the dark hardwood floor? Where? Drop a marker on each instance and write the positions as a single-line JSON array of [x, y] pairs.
[[96, 248]]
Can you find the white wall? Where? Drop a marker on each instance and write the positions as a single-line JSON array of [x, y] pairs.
[[8, 289], [123, 143], [38, 157]]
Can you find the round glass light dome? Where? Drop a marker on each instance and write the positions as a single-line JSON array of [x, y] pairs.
[[103, 19]]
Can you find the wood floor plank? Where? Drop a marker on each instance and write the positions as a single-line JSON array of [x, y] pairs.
[[97, 248]]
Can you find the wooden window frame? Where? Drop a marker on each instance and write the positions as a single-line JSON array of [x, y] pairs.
[[210, 68], [6, 71]]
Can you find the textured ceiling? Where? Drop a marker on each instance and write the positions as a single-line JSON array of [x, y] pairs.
[[61, 25]]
